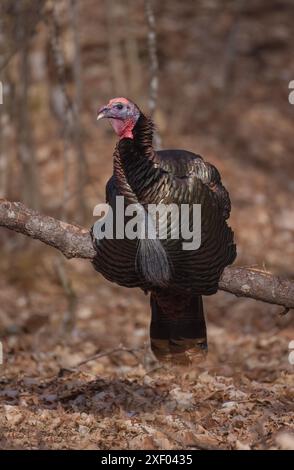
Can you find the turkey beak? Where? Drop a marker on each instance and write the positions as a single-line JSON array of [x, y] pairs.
[[103, 113]]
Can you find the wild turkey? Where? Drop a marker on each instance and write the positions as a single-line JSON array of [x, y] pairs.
[[175, 278]]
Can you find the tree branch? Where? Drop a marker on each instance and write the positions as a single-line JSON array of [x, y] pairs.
[[71, 240], [259, 285], [75, 242]]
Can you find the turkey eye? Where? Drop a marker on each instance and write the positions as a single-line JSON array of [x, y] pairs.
[[119, 106]]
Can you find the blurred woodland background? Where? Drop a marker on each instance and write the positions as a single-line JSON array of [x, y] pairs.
[[223, 70]]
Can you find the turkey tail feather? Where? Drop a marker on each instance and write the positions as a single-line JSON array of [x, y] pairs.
[[151, 258], [152, 262]]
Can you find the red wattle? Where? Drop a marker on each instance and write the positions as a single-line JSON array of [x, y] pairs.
[[123, 128]]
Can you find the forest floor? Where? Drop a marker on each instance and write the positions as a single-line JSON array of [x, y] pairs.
[[241, 397]]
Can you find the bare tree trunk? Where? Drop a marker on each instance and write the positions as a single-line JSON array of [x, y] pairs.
[[61, 104], [153, 58], [81, 170], [3, 119], [230, 53], [5, 163], [9, 12], [115, 51], [3, 157], [6, 118], [26, 154], [132, 54], [68, 111], [70, 126]]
